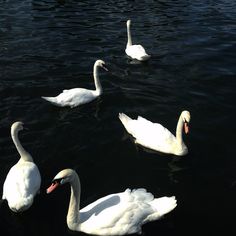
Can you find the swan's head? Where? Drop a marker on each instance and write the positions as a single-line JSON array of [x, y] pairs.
[[186, 119], [17, 126], [64, 176], [128, 23], [101, 63]]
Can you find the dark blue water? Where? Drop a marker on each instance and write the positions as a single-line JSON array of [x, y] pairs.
[[48, 46]]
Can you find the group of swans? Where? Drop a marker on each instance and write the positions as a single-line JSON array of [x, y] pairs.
[[79, 96], [146, 133], [115, 214]]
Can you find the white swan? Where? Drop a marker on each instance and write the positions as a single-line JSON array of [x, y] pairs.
[[23, 180], [135, 51], [78, 96], [156, 137], [115, 214]]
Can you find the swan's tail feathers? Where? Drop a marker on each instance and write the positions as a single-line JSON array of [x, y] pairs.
[[53, 100], [124, 119], [164, 205], [145, 57]]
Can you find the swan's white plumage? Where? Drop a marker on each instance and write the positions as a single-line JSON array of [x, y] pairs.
[[119, 213], [79, 96], [73, 97], [21, 185], [23, 180], [135, 51], [155, 136]]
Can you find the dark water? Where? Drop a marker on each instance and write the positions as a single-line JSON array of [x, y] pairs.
[[47, 46]]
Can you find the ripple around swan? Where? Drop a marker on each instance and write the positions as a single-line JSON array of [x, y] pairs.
[[47, 46]]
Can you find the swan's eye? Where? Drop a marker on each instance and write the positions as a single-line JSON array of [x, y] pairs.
[[57, 181]]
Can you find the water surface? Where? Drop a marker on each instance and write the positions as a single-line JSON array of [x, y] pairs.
[[48, 46]]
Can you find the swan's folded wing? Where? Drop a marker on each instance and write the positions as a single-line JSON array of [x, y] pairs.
[[21, 185], [152, 134], [145, 127], [124, 211], [76, 96], [136, 51], [139, 48]]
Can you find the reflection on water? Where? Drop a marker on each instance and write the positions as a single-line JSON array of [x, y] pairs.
[[175, 167]]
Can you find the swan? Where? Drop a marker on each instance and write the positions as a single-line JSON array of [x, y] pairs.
[[135, 51], [115, 214], [23, 180], [156, 137], [78, 96]]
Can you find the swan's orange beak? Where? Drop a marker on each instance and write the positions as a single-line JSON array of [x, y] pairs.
[[53, 186], [186, 128]]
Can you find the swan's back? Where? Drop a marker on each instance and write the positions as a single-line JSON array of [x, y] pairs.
[[149, 134], [73, 97], [77, 96], [121, 213], [137, 52], [22, 183], [142, 127]]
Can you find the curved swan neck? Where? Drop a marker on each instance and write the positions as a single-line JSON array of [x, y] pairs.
[[96, 80], [73, 215], [179, 130], [25, 156], [129, 43]]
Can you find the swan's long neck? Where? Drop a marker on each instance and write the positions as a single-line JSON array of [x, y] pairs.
[[179, 130], [25, 156], [96, 80], [73, 215], [129, 43]]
